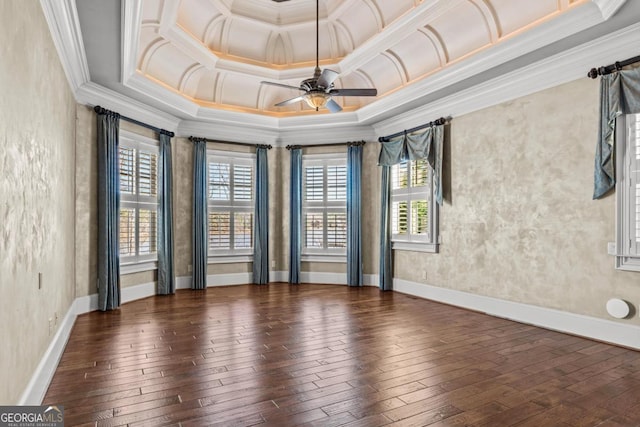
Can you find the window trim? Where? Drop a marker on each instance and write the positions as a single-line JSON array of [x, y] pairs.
[[624, 196], [138, 263], [416, 244], [230, 256], [328, 255]]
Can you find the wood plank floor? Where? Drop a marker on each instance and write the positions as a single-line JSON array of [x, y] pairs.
[[321, 355]]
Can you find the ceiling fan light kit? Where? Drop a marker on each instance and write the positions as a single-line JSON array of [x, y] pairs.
[[320, 88]]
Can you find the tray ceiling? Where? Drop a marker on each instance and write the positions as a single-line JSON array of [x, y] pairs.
[[215, 53]]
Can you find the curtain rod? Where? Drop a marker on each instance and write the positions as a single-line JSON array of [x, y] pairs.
[[99, 110], [244, 144], [437, 122], [350, 144], [616, 66]]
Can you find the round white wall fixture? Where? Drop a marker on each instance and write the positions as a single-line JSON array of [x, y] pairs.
[[618, 308]]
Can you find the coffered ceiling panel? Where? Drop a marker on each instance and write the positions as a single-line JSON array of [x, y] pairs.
[[216, 53]]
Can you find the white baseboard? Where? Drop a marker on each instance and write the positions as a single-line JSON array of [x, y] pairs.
[[278, 276], [214, 280], [136, 292], [561, 321], [41, 378]]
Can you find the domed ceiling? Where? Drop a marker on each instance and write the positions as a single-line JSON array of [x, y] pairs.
[[215, 53]]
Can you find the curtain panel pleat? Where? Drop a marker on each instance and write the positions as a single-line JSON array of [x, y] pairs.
[[166, 268], [261, 214], [108, 212], [199, 251], [386, 252], [354, 206], [619, 94], [295, 211]]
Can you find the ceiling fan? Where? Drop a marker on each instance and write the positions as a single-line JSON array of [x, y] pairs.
[[319, 89]]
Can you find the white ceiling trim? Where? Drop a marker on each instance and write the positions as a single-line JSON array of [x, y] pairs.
[[64, 25], [394, 33], [550, 72], [93, 94], [131, 19], [609, 7], [581, 18]]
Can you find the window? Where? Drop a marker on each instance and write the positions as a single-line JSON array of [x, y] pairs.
[[230, 205], [138, 166], [324, 207], [413, 213], [628, 193]]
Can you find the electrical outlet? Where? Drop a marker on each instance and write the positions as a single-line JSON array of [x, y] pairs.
[[55, 316], [39, 280], [424, 274], [189, 268], [273, 263], [50, 325]]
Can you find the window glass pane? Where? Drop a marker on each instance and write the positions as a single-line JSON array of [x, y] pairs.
[[419, 217], [400, 176], [127, 238], [242, 185], [419, 173], [313, 189], [148, 165], [243, 230], [399, 215], [336, 230], [314, 227], [219, 181], [219, 230], [336, 183], [147, 230], [127, 170]]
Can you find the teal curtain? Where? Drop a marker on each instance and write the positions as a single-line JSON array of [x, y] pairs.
[[619, 94], [295, 212], [354, 218], [199, 236], [261, 219], [166, 271], [386, 253], [108, 210], [425, 144]]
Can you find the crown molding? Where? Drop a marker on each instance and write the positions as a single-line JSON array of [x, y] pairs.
[[228, 132], [609, 7], [552, 71], [94, 94], [64, 26]]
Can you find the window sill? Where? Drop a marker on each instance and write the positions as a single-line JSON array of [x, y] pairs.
[[138, 267], [229, 259], [626, 263], [338, 259], [416, 247]]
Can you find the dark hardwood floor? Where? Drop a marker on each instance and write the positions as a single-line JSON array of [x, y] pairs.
[[321, 355]]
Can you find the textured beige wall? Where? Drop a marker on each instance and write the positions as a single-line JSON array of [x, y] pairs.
[[37, 133], [519, 223], [182, 197], [86, 166]]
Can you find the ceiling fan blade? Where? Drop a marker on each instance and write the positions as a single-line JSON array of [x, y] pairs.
[[354, 92], [290, 101], [281, 85], [333, 106], [327, 78]]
